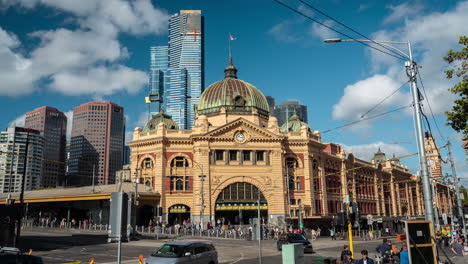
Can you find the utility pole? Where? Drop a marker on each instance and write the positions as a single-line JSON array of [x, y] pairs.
[[426, 183], [202, 211], [259, 227], [350, 226], [301, 223], [94, 169], [21, 205], [457, 188], [135, 202]]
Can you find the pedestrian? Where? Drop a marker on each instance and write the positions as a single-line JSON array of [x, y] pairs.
[[404, 257], [395, 254], [365, 258], [344, 252], [458, 248], [384, 249], [332, 234], [349, 258], [387, 231]]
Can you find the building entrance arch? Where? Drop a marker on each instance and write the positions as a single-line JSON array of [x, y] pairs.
[[178, 213], [237, 204]]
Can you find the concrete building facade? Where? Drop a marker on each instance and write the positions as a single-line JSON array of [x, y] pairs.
[[17, 143], [96, 145], [52, 124], [236, 154]]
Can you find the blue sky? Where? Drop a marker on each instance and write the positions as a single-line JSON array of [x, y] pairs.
[[63, 53]]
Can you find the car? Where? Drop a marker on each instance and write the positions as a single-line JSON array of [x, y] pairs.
[[288, 238], [9, 255], [183, 251]]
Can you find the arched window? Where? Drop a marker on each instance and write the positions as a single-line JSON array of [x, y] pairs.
[[147, 163], [239, 101], [179, 162], [292, 163]]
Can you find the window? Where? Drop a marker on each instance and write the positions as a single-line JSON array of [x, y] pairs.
[[298, 183], [260, 156], [291, 163], [239, 102], [292, 201], [219, 154], [179, 162], [147, 163], [179, 184], [246, 154], [233, 155]]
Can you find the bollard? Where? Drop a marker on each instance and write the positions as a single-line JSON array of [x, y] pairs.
[[79, 225], [140, 259], [91, 261], [30, 251]]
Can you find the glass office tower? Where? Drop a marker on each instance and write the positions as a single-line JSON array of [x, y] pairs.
[[158, 67], [186, 59]]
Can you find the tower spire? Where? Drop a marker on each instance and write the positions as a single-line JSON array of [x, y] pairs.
[[230, 71]]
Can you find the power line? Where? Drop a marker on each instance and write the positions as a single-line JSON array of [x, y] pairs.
[[394, 92], [364, 119], [341, 33], [429, 105], [344, 25]]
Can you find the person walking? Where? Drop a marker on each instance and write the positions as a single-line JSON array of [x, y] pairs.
[[458, 248], [332, 234], [384, 249], [344, 252], [349, 258], [404, 257], [365, 258]]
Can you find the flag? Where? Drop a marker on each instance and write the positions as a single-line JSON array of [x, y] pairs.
[[231, 37]]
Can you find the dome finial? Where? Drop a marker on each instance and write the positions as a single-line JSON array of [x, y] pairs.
[[230, 71]]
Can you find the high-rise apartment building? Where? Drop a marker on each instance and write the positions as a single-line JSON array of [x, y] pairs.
[[287, 109], [158, 66], [52, 124], [27, 144], [96, 146], [177, 74]]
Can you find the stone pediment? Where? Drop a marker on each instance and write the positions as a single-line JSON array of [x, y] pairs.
[[250, 130]]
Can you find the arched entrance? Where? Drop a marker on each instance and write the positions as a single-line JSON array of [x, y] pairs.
[[178, 213], [237, 204]]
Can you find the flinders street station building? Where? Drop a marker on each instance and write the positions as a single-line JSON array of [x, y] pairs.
[[237, 154]]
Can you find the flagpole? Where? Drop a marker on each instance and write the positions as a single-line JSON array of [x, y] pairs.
[[229, 38]]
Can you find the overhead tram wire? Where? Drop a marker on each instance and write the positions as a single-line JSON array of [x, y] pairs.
[[355, 31], [367, 118], [429, 105], [383, 100], [341, 33]]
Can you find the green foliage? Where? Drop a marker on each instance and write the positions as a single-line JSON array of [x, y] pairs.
[[465, 194], [457, 118]]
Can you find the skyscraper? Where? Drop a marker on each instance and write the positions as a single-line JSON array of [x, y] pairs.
[[158, 66], [25, 142], [271, 104], [182, 71], [288, 108], [52, 124], [96, 145]]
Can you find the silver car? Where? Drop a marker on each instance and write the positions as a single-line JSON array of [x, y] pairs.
[[194, 252]]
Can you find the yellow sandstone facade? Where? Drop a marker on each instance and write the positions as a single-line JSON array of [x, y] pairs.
[[237, 154]]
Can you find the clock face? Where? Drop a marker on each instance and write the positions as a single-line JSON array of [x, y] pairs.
[[240, 137]]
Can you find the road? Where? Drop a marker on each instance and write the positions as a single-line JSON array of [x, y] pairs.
[[78, 247]]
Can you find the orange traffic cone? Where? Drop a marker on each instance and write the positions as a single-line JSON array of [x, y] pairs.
[[141, 259]]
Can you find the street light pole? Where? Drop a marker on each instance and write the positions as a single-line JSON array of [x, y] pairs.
[[202, 195], [411, 72], [457, 187]]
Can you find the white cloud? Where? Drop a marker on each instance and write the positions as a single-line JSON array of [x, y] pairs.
[[366, 151], [362, 7], [284, 31], [322, 32], [86, 60], [402, 11], [18, 122], [361, 96], [432, 35]]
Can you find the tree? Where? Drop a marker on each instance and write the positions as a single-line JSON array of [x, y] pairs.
[[465, 194], [457, 118]]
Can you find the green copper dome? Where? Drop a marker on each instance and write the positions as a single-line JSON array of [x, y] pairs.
[[294, 124], [232, 94], [161, 117]]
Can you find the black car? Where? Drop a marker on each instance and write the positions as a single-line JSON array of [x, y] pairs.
[[294, 238], [10, 255]]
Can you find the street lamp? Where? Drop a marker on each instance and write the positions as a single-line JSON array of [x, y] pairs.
[[202, 178], [411, 72]]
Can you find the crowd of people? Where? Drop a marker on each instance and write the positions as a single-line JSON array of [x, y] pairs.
[[387, 252]]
